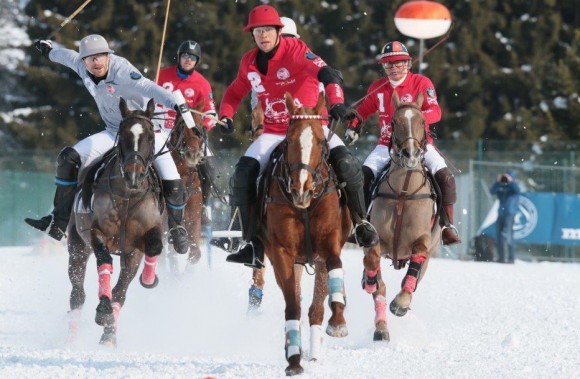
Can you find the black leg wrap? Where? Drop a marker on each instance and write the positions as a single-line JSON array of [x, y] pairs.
[[174, 194]]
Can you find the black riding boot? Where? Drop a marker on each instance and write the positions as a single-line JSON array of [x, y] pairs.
[[174, 194], [446, 182], [68, 164], [348, 170], [243, 196], [369, 178], [207, 178]]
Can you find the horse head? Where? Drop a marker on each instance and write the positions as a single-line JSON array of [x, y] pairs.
[[409, 138], [136, 143], [305, 151], [186, 142]]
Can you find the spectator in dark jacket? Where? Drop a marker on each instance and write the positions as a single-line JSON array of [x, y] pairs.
[[507, 191]]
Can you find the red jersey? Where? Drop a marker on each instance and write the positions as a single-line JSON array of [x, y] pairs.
[[294, 69], [195, 89], [379, 100]]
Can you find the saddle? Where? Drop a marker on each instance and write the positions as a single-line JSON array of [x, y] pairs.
[[94, 179]]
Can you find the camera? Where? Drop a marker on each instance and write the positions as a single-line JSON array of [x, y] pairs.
[[504, 179]]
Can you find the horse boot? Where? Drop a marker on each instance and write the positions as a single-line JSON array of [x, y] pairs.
[[244, 196], [348, 171], [68, 164], [174, 194], [446, 182]]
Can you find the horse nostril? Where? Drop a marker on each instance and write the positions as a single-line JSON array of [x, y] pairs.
[[406, 153]]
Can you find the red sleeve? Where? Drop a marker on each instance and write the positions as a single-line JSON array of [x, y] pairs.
[[368, 106], [209, 104], [235, 92], [430, 108]]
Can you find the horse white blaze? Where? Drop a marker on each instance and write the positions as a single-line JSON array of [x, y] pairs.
[[306, 139], [409, 116], [137, 130]]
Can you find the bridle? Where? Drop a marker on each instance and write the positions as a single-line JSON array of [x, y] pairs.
[[137, 157], [398, 144], [319, 182]]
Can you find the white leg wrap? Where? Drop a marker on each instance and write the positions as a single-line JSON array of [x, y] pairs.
[[293, 339], [315, 341], [336, 285]]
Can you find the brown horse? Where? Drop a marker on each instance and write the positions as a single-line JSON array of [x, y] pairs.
[[306, 222], [125, 220], [186, 146], [403, 212]]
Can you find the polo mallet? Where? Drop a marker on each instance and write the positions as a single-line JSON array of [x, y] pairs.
[[68, 19], [162, 41]]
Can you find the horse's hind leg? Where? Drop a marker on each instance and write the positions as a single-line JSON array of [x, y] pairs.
[[77, 268], [337, 299], [400, 305], [255, 293], [372, 283], [153, 248]]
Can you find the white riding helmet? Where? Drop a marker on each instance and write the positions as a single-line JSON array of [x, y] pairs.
[[93, 44], [289, 27]]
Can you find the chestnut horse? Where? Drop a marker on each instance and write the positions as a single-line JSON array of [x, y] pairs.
[[125, 220], [305, 222], [186, 146], [403, 212]]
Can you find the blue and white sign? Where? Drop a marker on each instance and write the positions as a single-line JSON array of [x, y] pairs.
[[542, 218]]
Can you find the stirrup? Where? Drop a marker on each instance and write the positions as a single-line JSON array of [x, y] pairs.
[[241, 256], [454, 229]]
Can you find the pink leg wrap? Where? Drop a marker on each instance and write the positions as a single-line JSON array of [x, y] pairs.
[[105, 270], [380, 309], [371, 288], [410, 283], [74, 317], [116, 310], [148, 274]]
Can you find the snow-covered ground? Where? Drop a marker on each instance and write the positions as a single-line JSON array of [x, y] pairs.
[[468, 320]]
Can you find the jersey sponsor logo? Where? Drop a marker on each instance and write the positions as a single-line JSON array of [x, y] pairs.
[[407, 98], [430, 92], [283, 73], [310, 55], [319, 62], [286, 82], [276, 111], [110, 88], [168, 86], [210, 95], [189, 92], [135, 75], [386, 129]]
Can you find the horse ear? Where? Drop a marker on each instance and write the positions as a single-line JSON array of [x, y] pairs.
[[420, 99], [320, 104], [123, 107], [290, 103], [150, 108], [396, 99]]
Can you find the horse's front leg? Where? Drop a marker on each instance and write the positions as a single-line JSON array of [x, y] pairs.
[[104, 315], [153, 248], [283, 265], [77, 267], [255, 293], [402, 302], [316, 311], [337, 300], [372, 282]]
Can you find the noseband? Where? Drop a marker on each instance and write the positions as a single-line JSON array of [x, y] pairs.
[[180, 146]]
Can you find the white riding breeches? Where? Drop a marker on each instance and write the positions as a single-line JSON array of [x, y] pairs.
[[264, 145], [379, 157], [95, 146]]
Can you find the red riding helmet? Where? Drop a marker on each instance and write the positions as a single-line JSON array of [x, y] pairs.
[[263, 15], [392, 52]]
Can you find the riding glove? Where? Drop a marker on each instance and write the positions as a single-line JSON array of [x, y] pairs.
[[354, 128], [44, 46], [226, 125], [338, 111]]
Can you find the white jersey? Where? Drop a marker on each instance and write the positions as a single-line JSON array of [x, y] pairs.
[[123, 80]]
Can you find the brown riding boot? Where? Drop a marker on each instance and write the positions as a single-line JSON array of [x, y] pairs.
[[449, 234]]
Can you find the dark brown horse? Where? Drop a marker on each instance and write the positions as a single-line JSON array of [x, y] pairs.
[[125, 220], [305, 222], [186, 146], [403, 212]]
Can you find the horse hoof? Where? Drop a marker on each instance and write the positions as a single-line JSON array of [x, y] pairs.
[[152, 285], [105, 316], [109, 337], [294, 370], [397, 310], [337, 331], [381, 335]]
